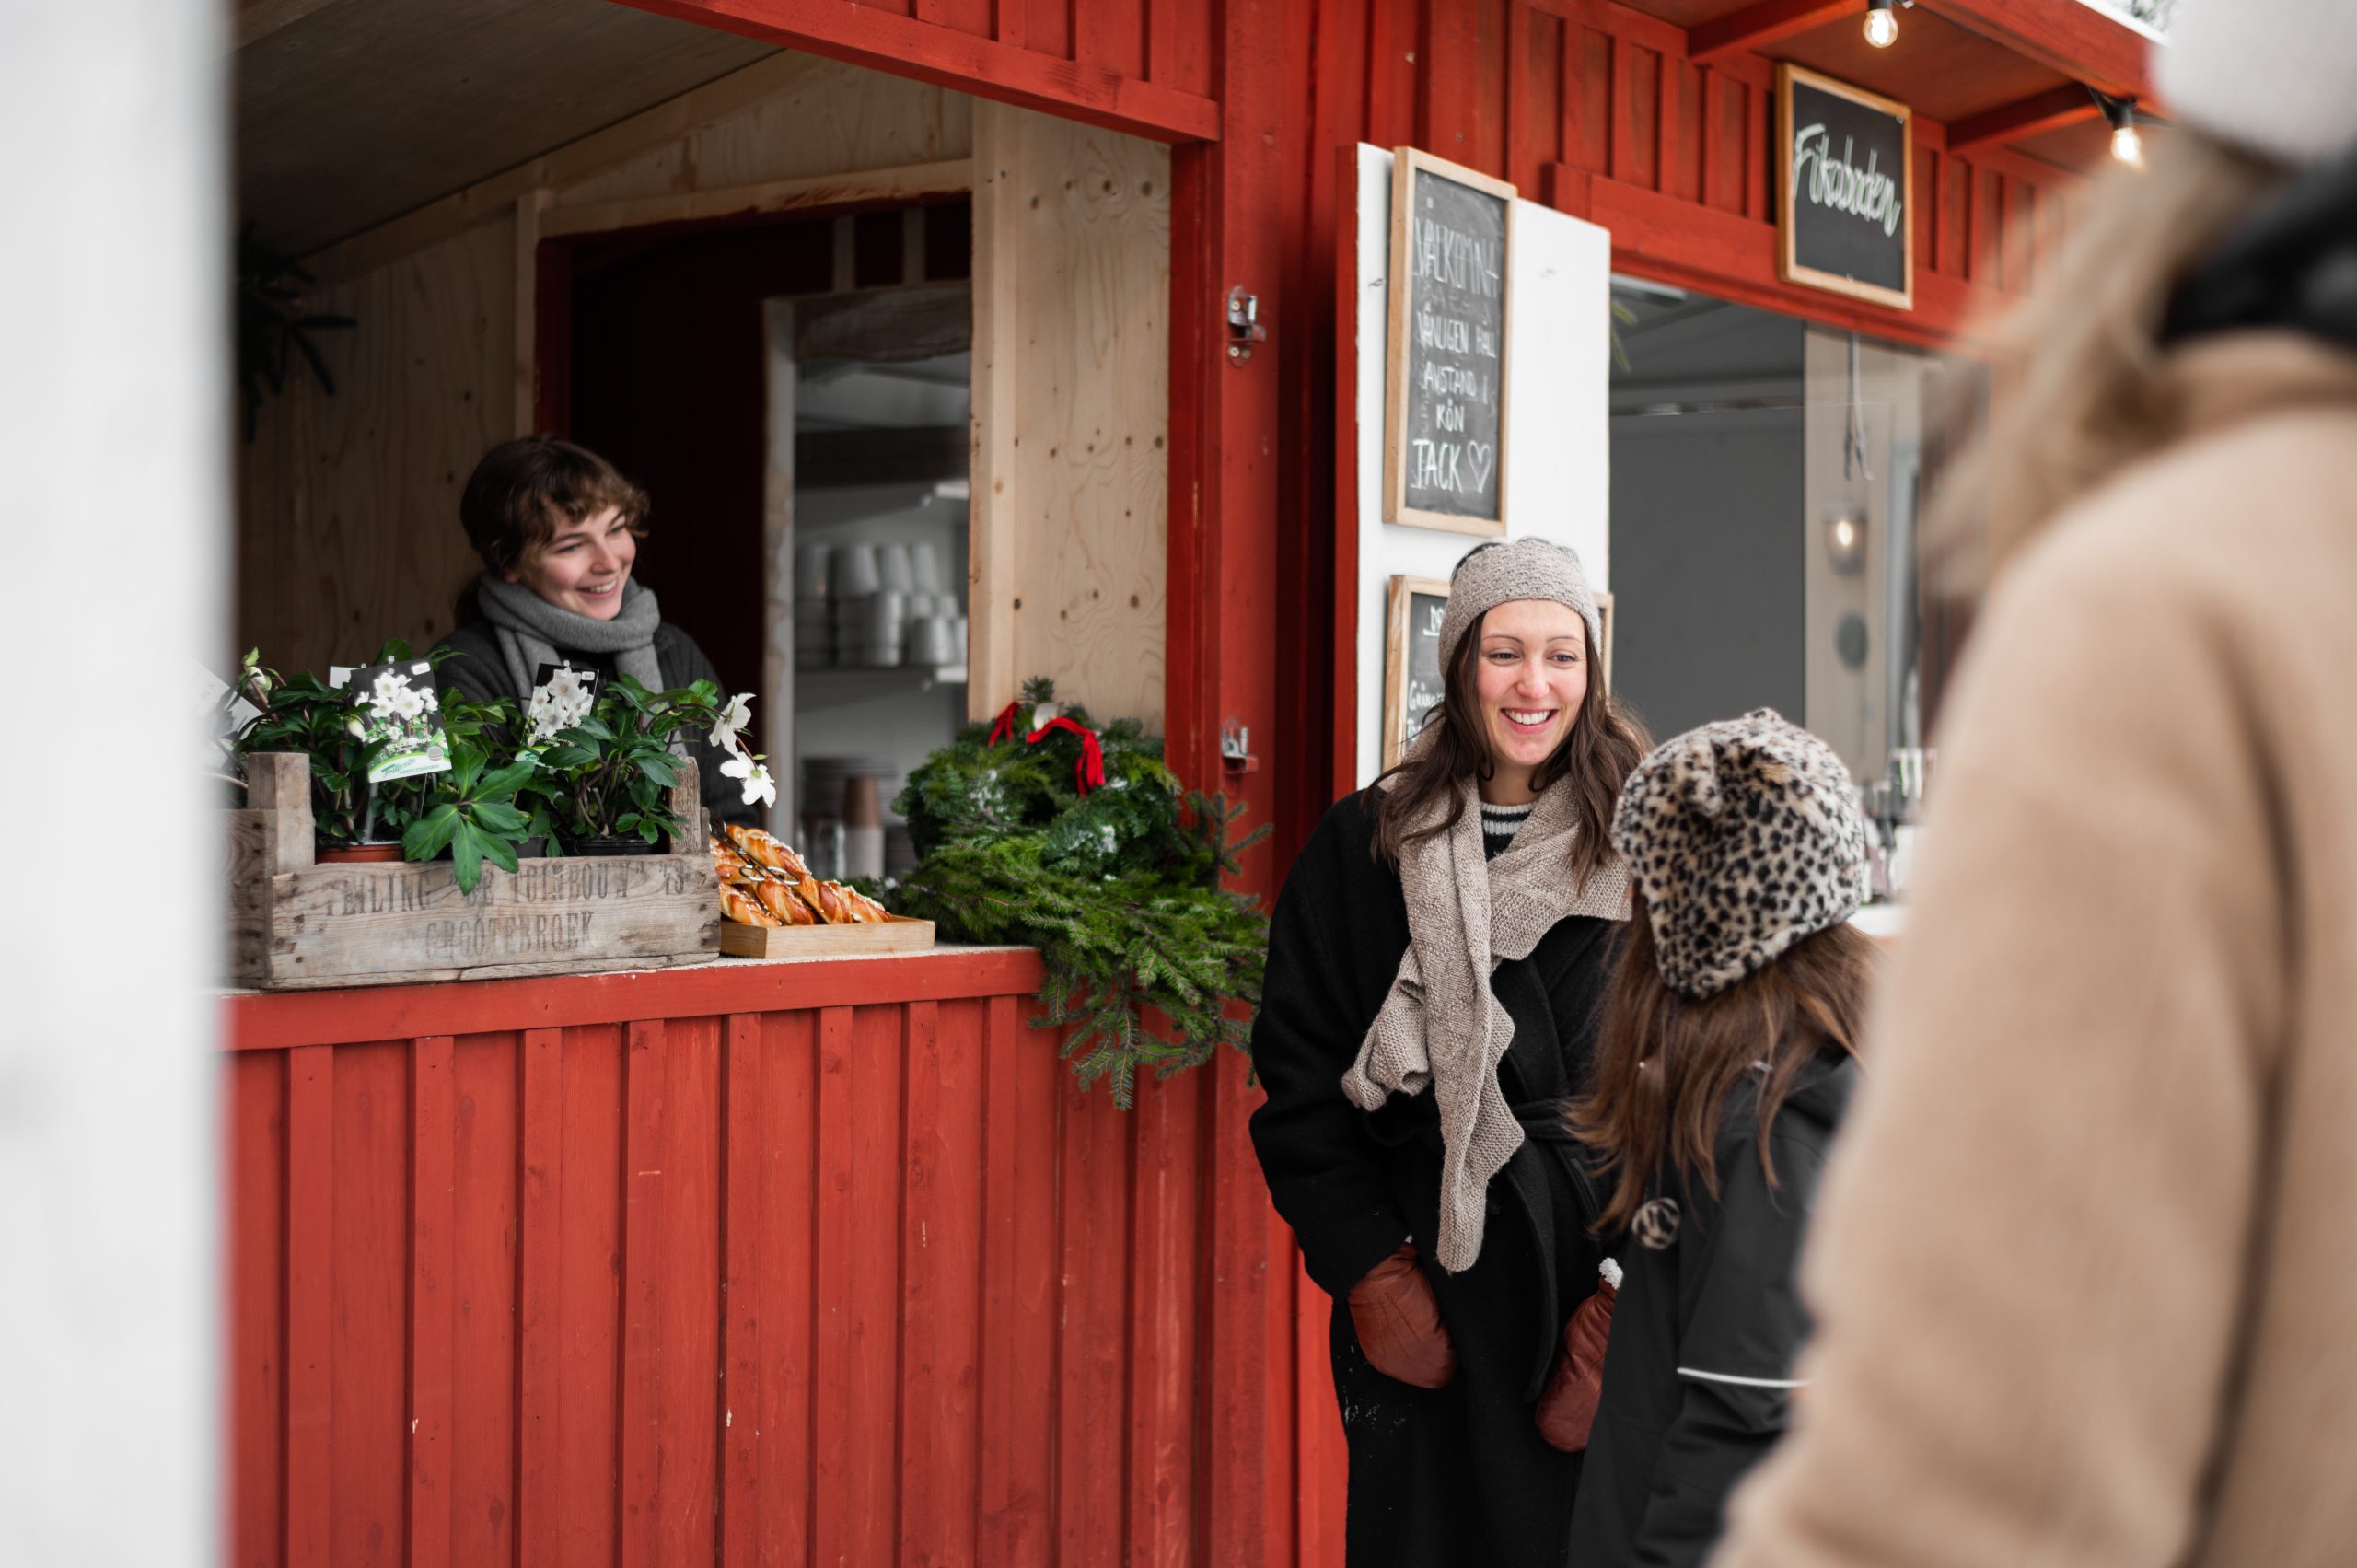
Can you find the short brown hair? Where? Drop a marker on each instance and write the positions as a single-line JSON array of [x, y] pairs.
[[1604, 747], [1665, 1065], [525, 490]]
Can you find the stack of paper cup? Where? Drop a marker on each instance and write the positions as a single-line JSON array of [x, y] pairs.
[[813, 627], [862, 827]]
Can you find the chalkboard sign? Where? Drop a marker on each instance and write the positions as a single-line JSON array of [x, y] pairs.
[[1412, 672], [1444, 449], [1845, 162]]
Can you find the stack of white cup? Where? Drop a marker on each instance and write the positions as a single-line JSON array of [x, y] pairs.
[[814, 645]]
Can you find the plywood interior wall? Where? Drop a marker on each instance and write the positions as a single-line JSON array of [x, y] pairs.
[[1072, 375], [348, 528], [348, 505]]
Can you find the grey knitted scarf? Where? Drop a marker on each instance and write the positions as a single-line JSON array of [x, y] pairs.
[[531, 631], [1441, 1026]]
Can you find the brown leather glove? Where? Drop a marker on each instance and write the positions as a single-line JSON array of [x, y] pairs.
[[1398, 1323], [1567, 1409]]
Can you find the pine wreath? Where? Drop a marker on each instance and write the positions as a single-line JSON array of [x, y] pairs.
[[1117, 884]]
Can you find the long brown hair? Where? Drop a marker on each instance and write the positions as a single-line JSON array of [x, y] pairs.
[[2078, 395], [1665, 1065], [1606, 743]]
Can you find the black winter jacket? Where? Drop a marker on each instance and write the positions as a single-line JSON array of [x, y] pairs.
[[1698, 1373], [480, 672], [1353, 1186]]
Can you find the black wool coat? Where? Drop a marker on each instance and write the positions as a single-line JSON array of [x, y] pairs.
[[1457, 1475], [480, 672], [1698, 1373]]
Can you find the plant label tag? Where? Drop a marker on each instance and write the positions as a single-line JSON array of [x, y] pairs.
[[401, 718], [585, 677]]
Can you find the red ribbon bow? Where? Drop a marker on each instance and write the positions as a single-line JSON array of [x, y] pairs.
[[1088, 772]]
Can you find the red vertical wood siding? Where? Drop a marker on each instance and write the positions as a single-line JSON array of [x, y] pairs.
[[778, 1272], [1594, 108], [1515, 87]]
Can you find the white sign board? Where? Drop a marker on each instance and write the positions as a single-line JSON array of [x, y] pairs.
[[1557, 480]]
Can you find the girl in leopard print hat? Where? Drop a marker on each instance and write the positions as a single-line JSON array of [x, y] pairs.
[[1726, 1059]]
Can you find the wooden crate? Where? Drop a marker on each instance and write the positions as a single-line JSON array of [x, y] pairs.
[[897, 934], [295, 924]]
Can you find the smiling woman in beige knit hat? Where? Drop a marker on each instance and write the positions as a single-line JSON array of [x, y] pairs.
[[2085, 1270], [1435, 967]]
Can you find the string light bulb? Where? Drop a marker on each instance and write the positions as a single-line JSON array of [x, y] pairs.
[[1882, 23], [2127, 143]]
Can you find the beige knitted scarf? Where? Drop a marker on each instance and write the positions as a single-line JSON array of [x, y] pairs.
[[1441, 1026]]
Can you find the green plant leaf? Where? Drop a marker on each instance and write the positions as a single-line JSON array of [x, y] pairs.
[[505, 820], [466, 856], [430, 834], [504, 783]]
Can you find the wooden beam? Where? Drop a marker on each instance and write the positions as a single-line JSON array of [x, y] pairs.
[[257, 19], [947, 178], [1671, 241], [945, 57], [2081, 42], [914, 321], [564, 166], [1756, 27], [2068, 105]]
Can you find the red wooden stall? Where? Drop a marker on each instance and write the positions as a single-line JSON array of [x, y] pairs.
[[828, 1262], [823, 1263]]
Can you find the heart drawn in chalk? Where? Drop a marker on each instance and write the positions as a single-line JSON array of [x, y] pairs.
[[1480, 459]]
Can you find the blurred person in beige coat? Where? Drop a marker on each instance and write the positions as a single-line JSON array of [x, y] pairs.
[[2085, 1269]]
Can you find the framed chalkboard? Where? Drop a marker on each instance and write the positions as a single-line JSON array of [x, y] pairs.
[[1443, 440], [1845, 164], [1412, 672]]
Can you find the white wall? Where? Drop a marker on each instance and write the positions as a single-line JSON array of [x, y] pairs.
[[1557, 451], [114, 433]]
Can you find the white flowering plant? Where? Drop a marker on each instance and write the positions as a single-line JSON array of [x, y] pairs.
[[606, 758], [347, 735], [581, 759]]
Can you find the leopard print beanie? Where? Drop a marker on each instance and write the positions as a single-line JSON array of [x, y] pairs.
[[1744, 837]]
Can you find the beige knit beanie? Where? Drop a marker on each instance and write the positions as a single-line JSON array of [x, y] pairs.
[[1490, 575], [2277, 77]]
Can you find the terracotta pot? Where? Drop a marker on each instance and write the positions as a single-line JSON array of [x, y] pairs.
[[358, 855]]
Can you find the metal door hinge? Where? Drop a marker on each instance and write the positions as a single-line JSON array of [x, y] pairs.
[[1243, 327], [1236, 749]]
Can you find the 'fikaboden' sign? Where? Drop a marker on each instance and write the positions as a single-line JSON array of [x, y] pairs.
[[1444, 447], [1845, 162]]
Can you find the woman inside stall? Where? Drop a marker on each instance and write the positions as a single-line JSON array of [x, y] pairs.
[[1435, 967], [558, 529]]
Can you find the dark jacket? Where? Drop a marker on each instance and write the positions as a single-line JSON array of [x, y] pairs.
[[480, 672], [1698, 1373], [1457, 1475]]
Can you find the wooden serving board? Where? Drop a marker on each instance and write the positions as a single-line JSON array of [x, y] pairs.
[[898, 933]]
